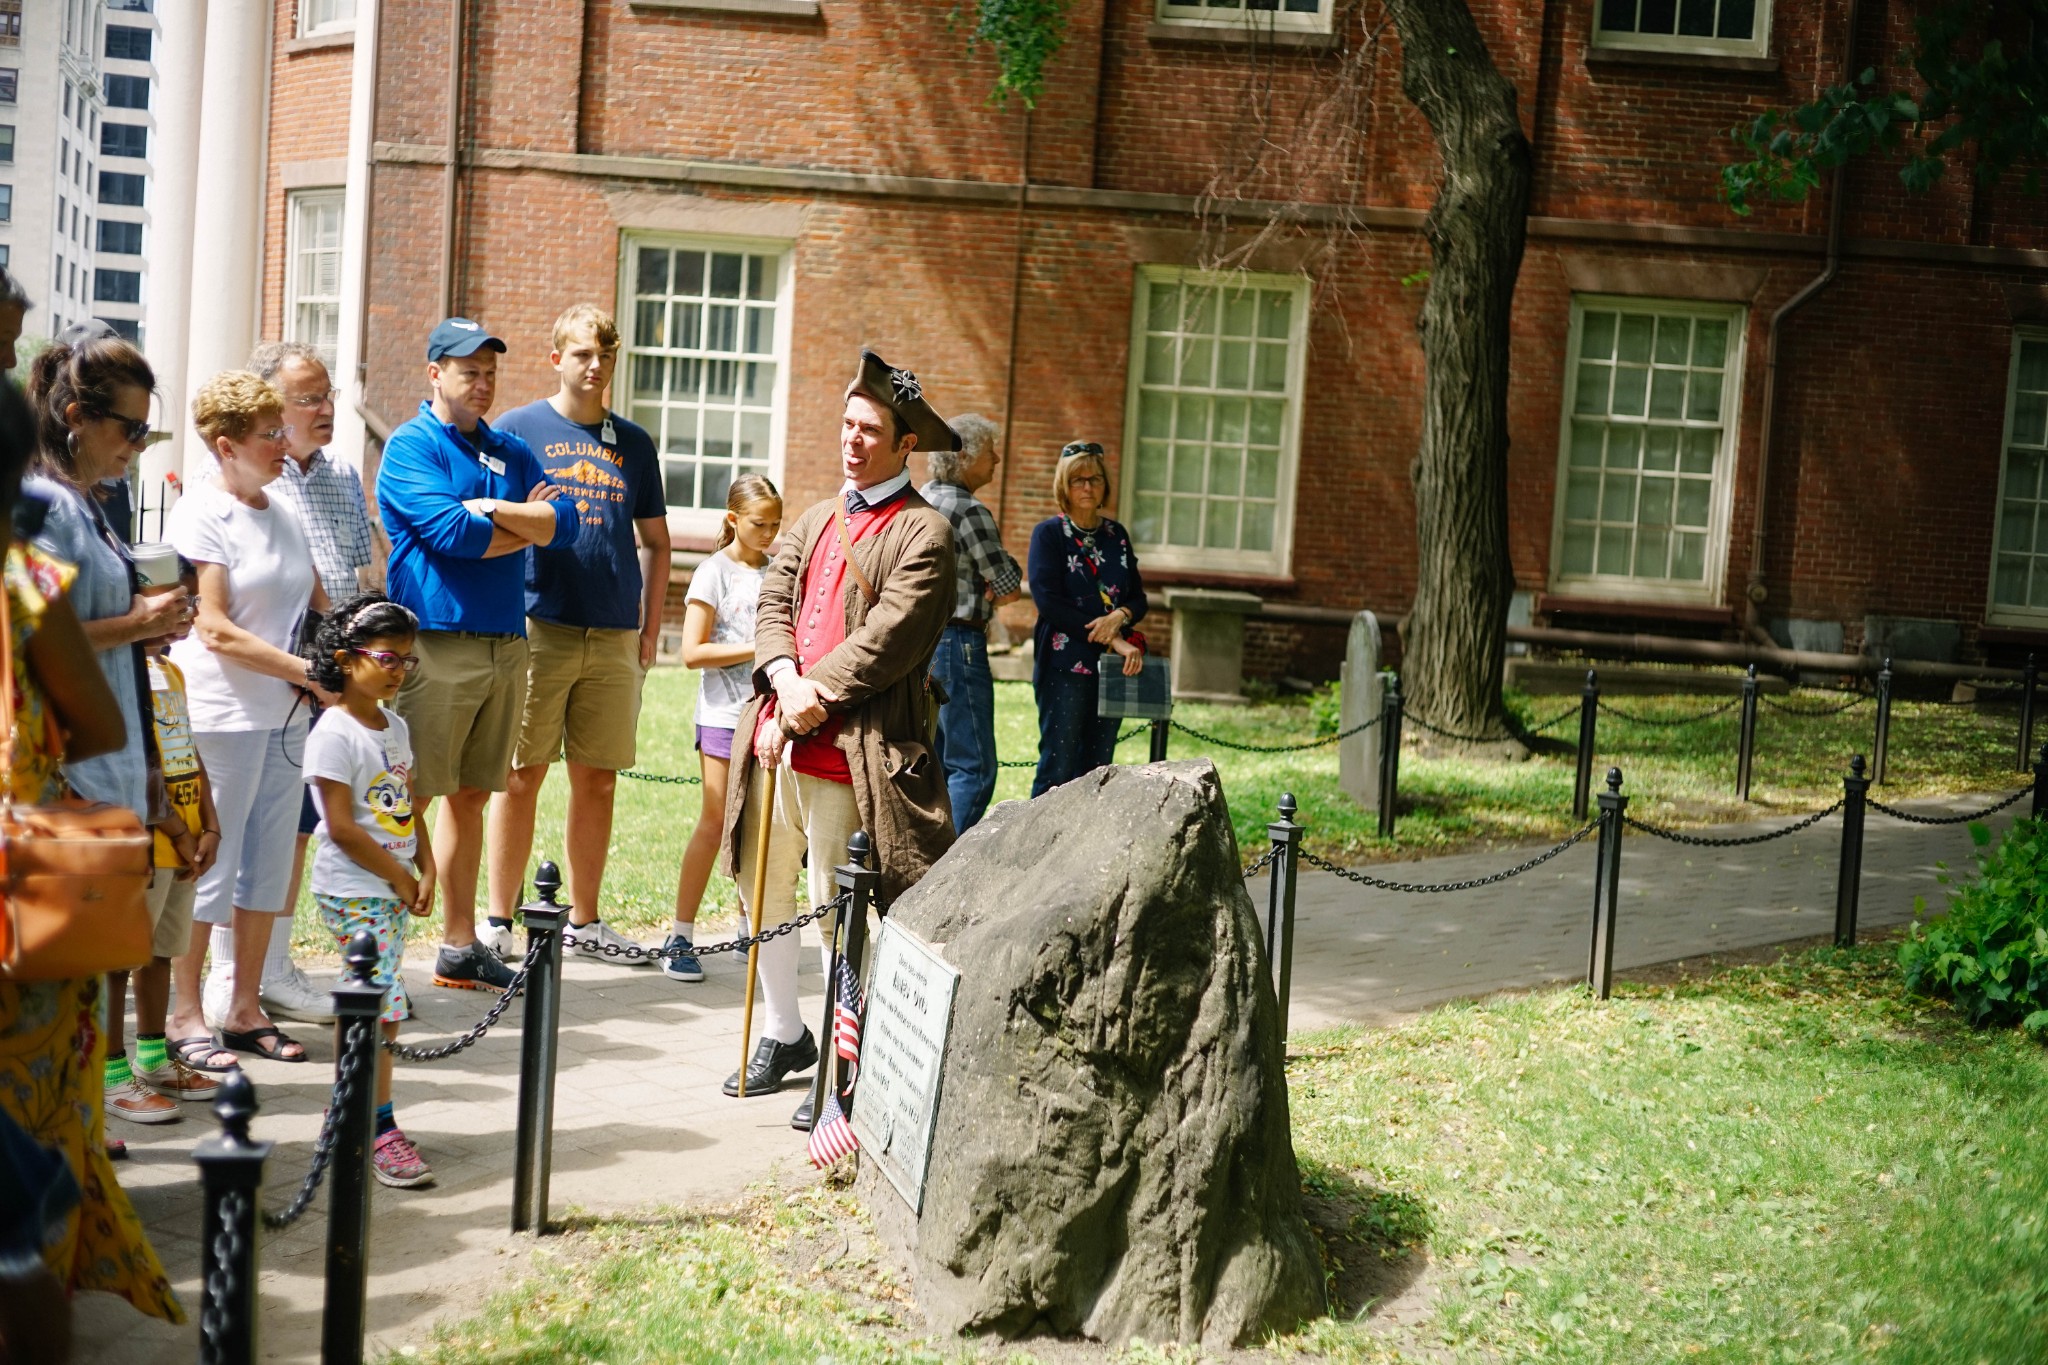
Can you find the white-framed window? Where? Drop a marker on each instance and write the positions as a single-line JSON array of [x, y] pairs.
[[2019, 565], [1729, 28], [704, 363], [1213, 426], [312, 286], [325, 16], [1312, 16], [1646, 453]]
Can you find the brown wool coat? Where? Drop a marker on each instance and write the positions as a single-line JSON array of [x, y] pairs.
[[879, 672]]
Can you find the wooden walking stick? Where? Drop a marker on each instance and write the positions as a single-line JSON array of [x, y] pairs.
[[754, 905]]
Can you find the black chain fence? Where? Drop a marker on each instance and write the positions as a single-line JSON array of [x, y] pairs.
[[1364, 879], [1708, 841], [1322, 743], [667, 778], [1260, 863], [1555, 721], [482, 1026], [1131, 733], [1810, 713], [634, 952], [1723, 709], [1963, 819], [223, 1282], [346, 1077]]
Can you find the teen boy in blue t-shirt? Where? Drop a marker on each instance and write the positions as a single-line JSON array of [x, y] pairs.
[[593, 615]]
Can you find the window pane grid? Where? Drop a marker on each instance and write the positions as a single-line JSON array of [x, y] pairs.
[[2019, 577], [1682, 25], [1644, 446], [1212, 412], [701, 368], [314, 312], [1300, 14]]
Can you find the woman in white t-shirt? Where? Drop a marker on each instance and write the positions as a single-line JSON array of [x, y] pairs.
[[718, 637], [372, 867], [246, 690]]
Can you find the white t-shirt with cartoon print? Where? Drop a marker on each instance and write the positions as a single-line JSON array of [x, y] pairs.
[[376, 767]]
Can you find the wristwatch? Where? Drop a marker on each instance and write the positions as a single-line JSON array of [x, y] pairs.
[[490, 510]]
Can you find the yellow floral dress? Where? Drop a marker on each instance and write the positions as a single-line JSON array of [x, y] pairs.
[[52, 1046]]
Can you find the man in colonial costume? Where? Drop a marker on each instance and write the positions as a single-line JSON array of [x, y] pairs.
[[851, 610]]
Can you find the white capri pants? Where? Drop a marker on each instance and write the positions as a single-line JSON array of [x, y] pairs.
[[258, 785]]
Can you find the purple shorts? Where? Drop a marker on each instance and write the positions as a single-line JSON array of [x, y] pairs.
[[714, 742]]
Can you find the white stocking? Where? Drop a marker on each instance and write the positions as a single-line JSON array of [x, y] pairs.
[[784, 1020]]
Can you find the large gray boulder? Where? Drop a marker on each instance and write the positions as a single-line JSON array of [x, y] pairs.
[[1111, 1155]]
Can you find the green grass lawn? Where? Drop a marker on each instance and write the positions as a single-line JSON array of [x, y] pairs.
[[1679, 776], [1788, 1162]]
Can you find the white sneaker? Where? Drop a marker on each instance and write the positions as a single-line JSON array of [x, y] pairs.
[[501, 939], [591, 940], [289, 995], [216, 995]]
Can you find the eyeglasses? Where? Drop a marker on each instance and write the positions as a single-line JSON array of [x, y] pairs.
[[273, 434], [1073, 448], [136, 429], [389, 662], [315, 400], [1093, 480]]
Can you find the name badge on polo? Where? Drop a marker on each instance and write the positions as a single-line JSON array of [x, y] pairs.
[[491, 462], [608, 433]]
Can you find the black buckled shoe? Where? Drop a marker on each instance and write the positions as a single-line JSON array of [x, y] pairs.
[[773, 1061], [801, 1120]]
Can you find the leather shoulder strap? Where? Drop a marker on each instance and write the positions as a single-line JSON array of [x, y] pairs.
[[867, 589]]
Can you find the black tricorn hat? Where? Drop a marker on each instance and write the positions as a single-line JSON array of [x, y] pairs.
[[899, 391]]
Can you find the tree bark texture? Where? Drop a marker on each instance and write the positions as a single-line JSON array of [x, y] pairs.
[[1456, 634]]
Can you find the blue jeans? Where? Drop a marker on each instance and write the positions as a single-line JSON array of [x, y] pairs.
[[967, 723], [1072, 739]]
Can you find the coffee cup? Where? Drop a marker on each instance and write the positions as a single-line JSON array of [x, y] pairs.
[[156, 565]]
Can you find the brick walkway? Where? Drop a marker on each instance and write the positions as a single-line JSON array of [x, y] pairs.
[[640, 1121]]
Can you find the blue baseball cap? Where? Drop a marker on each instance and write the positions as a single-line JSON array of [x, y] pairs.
[[460, 336]]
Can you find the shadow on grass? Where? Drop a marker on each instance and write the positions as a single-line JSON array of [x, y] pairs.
[[1372, 1240]]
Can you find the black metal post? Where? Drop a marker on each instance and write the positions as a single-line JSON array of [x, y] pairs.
[[1849, 877], [1159, 729], [534, 1148], [1589, 720], [854, 875], [1880, 743], [1286, 837], [231, 1177], [357, 1003], [1745, 754], [1606, 886], [2040, 806], [1390, 754], [2029, 678]]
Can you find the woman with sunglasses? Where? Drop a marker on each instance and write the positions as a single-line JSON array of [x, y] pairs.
[[1085, 581], [91, 393], [245, 690]]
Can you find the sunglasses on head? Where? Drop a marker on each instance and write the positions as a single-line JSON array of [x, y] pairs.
[[135, 429], [1073, 448]]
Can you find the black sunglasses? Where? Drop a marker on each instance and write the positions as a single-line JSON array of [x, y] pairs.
[[1073, 448], [135, 429]]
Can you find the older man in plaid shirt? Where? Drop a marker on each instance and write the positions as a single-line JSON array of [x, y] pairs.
[[985, 577]]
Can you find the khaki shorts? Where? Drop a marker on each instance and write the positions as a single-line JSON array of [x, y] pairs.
[[170, 912], [582, 696], [462, 707]]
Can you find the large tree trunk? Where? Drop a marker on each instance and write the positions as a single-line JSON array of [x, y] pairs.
[[1456, 635]]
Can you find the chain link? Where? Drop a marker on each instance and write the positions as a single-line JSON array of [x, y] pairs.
[[481, 1027], [670, 779], [1848, 705], [1965, 819], [1555, 721], [1474, 883], [1129, 734], [1708, 841], [1260, 863], [633, 951], [345, 1078], [1620, 714], [1324, 742], [222, 1286]]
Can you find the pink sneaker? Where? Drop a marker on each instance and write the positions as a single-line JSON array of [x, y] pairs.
[[397, 1163]]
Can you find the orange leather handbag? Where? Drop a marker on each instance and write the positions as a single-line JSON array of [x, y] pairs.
[[74, 876]]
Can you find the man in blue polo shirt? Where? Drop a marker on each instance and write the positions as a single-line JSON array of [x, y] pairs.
[[462, 503]]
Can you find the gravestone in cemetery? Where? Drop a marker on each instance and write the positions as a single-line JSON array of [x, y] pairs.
[[1358, 694], [1106, 1150]]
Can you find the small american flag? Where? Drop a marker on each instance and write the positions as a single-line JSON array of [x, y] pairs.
[[846, 1014], [831, 1136]]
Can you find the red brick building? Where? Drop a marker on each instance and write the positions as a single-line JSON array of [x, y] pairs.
[[758, 187]]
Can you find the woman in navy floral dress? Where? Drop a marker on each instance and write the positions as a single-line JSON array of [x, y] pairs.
[[1084, 579]]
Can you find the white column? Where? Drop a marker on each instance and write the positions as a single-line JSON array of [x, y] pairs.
[[174, 169], [227, 221], [351, 433]]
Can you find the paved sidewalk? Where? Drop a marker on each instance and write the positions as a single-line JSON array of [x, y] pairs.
[[640, 1121]]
